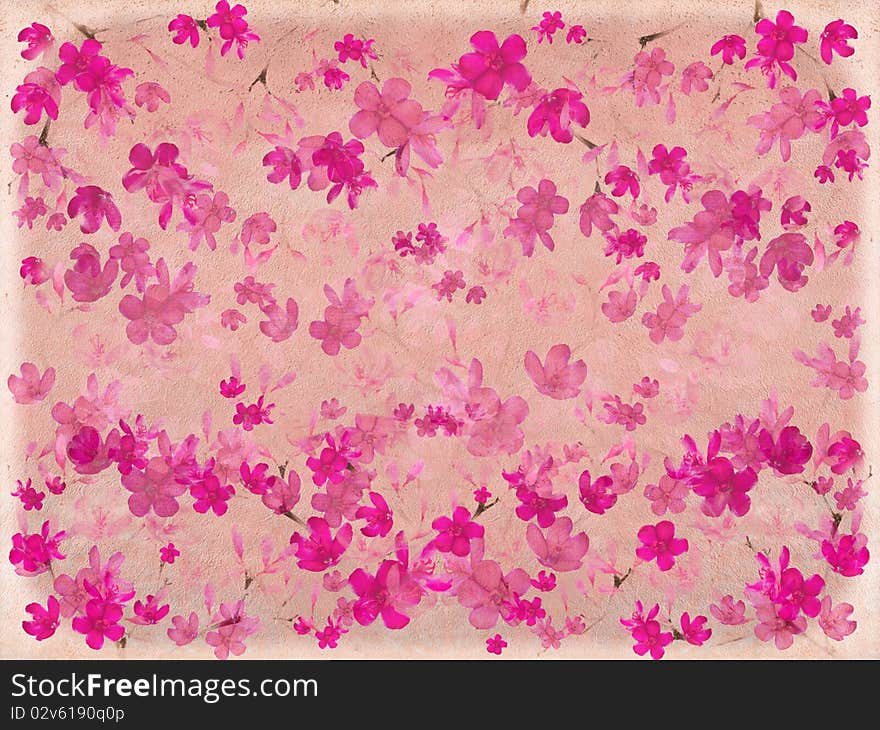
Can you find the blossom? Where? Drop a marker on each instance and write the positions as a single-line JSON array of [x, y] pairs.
[[556, 377], [95, 204], [233, 627], [833, 40], [650, 68], [626, 244], [535, 215], [149, 612], [39, 40], [550, 23], [341, 319], [779, 622], [694, 631], [248, 416], [101, 621], [490, 66], [150, 94], [800, 592], [558, 549], [596, 495], [576, 34], [390, 114], [729, 612], [776, 46], [708, 234], [455, 533], [847, 554], [695, 77], [555, 112], [788, 453], [31, 387], [154, 488], [210, 494], [729, 46], [168, 553], [486, 591], [204, 216], [391, 590], [845, 453], [668, 495], [44, 621], [320, 550], [495, 644], [185, 29], [233, 27], [671, 315], [597, 211], [184, 630], [659, 542], [355, 49], [379, 517], [847, 324], [285, 166], [624, 180], [332, 462], [30, 498], [834, 621], [35, 100], [647, 633]]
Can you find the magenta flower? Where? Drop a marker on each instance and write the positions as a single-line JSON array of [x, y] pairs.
[[488, 592], [695, 77], [779, 622], [576, 34], [555, 112], [847, 555], [797, 591], [722, 487], [491, 66], [597, 211], [35, 100], [776, 46], [730, 46], [332, 463], [44, 621], [650, 68], [550, 23], [154, 488], [694, 631], [671, 316], [39, 40], [543, 507], [391, 114], [845, 453], [728, 612], [33, 553], [31, 387], [833, 40], [341, 319], [659, 542], [100, 621], [455, 533], [210, 494], [623, 181], [204, 216], [149, 612], [596, 495], [788, 453], [556, 378], [391, 590], [231, 628], [185, 29], [355, 49], [320, 550], [233, 27], [168, 553], [495, 644], [285, 166], [248, 416], [534, 219], [95, 204], [379, 517], [647, 633]]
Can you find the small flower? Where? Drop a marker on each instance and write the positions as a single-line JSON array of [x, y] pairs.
[[833, 40], [456, 533], [495, 644], [659, 542], [44, 621], [168, 553]]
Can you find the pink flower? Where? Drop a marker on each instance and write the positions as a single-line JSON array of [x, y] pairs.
[[597, 496], [495, 644], [153, 489], [455, 533], [281, 495], [626, 245], [231, 388], [231, 627], [558, 549], [332, 462], [210, 494], [597, 211], [722, 487], [834, 621], [34, 271], [550, 23], [185, 29], [286, 166], [535, 216], [671, 315], [776, 46], [391, 590], [788, 453], [647, 633], [451, 282], [668, 495], [149, 612], [76, 61], [555, 112], [341, 319], [833, 40], [168, 553], [821, 313], [659, 542], [150, 94], [491, 66], [845, 453], [624, 180], [39, 40], [847, 324], [248, 416], [204, 216], [184, 631], [695, 77], [100, 621], [556, 378], [44, 621], [487, 592], [390, 114], [95, 204], [34, 99], [648, 75], [320, 550], [694, 631], [847, 555], [341, 499], [779, 622], [33, 553], [233, 27], [31, 387], [87, 451], [730, 46], [30, 498], [355, 49], [379, 517], [787, 120], [576, 34], [728, 612], [796, 591]]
